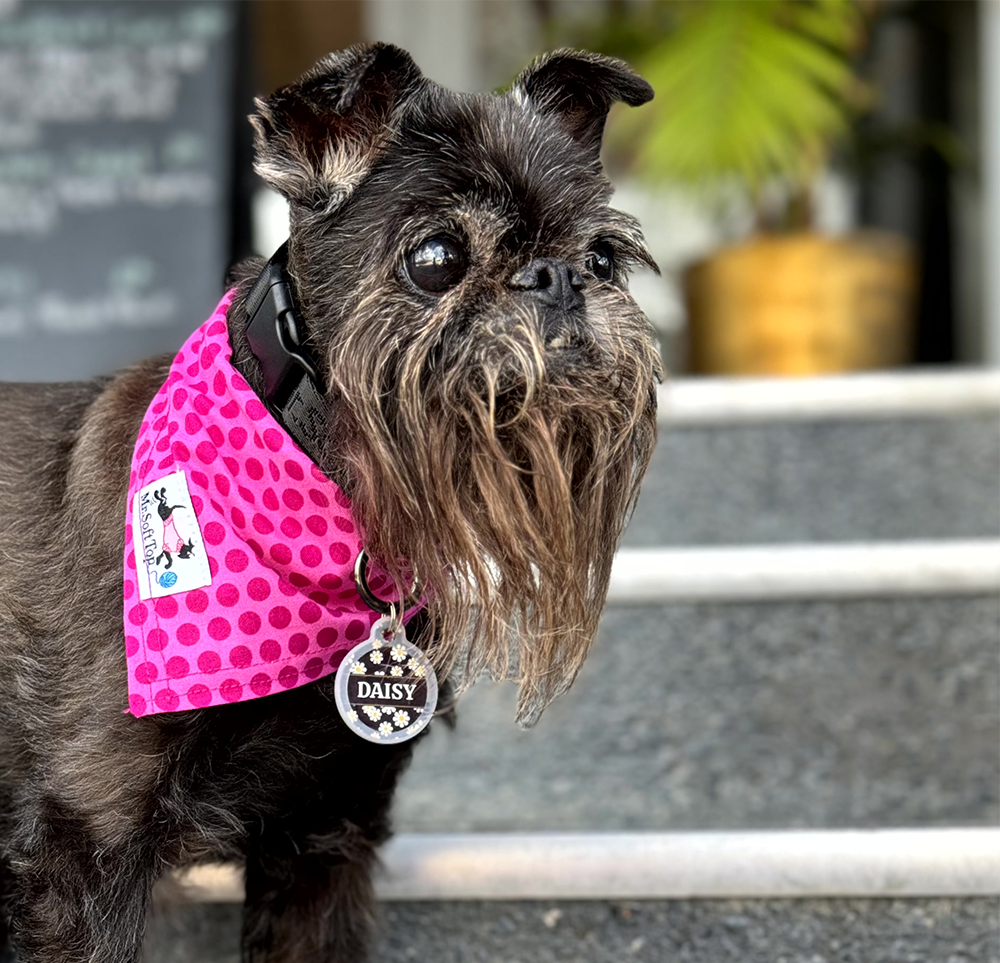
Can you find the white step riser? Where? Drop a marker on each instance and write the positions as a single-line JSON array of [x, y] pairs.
[[776, 572], [753, 865], [710, 401]]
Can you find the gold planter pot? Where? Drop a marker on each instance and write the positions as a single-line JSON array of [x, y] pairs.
[[802, 304]]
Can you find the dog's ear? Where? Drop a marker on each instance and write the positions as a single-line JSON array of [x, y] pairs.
[[318, 137], [578, 88]]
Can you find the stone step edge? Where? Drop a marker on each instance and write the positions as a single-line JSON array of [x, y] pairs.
[[648, 576], [955, 862], [896, 394]]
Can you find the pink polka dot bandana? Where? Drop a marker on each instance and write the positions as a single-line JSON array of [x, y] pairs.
[[281, 608]]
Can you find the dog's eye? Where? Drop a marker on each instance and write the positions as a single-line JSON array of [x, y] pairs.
[[437, 264], [601, 261]]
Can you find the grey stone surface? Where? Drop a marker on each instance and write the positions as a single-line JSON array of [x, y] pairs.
[[727, 931], [822, 481], [881, 712], [199, 933]]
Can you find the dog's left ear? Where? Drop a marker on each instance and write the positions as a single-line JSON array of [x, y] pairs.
[[318, 137], [578, 88]]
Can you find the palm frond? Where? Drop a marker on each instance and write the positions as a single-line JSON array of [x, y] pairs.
[[753, 89]]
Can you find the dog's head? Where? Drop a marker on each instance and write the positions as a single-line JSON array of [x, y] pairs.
[[463, 280]]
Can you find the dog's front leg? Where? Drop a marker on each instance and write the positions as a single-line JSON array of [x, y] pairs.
[[309, 908], [76, 902]]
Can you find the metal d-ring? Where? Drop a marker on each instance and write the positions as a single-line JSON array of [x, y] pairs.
[[372, 600]]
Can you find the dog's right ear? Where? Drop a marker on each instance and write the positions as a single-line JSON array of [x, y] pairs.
[[318, 137], [578, 87]]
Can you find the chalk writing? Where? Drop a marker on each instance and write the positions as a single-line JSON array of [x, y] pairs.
[[115, 161]]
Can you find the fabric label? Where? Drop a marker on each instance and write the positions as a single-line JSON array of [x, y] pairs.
[[169, 552]]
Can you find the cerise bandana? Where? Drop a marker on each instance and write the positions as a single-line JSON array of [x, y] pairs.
[[239, 552]]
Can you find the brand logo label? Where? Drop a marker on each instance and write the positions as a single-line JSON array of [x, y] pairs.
[[169, 552]]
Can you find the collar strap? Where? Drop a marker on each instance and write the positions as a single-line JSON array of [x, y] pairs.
[[293, 388]]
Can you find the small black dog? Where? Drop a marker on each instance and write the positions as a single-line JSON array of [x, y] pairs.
[[172, 541], [491, 412]]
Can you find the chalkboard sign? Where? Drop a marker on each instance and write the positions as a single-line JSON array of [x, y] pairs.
[[116, 170]]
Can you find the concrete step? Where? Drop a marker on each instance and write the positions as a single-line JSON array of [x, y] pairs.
[[753, 690], [483, 896], [655, 931], [833, 459], [710, 715]]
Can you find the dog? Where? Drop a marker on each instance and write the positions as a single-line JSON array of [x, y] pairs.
[[484, 393], [172, 541]]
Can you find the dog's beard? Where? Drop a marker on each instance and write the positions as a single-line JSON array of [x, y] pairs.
[[503, 474]]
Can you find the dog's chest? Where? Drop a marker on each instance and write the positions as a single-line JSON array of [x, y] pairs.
[[282, 766]]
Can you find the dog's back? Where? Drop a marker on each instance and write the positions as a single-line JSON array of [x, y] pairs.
[[40, 423], [59, 535]]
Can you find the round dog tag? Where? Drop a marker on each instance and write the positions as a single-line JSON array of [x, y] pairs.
[[386, 689]]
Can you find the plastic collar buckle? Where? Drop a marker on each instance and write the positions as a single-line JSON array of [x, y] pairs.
[[293, 389], [274, 332]]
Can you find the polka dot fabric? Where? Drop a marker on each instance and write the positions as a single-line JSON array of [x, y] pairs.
[[282, 608]]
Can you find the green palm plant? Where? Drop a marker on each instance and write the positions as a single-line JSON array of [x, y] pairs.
[[752, 90]]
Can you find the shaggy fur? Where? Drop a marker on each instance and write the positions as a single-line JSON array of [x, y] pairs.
[[490, 440]]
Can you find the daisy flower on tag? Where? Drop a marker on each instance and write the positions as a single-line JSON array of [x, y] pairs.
[[385, 729], [376, 657], [358, 668], [396, 670], [398, 653], [420, 671], [401, 719]]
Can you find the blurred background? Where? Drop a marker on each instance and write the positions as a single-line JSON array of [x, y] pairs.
[[803, 630], [816, 179]]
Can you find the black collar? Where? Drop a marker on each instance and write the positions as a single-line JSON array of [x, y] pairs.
[[293, 386]]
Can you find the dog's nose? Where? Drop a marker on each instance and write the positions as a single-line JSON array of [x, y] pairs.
[[551, 281]]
